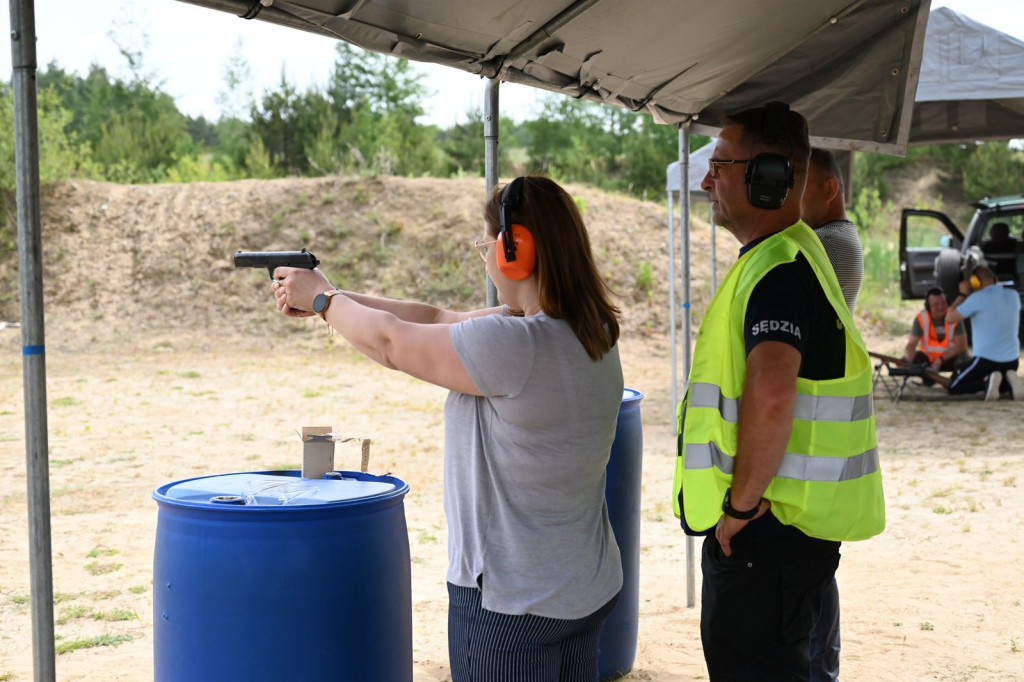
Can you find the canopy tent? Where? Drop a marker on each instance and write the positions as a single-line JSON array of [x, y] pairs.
[[971, 86], [850, 66]]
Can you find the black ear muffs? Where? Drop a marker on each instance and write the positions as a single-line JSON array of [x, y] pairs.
[[517, 252], [770, 176]]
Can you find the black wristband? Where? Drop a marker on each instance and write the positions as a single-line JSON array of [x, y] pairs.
[[735, 513]]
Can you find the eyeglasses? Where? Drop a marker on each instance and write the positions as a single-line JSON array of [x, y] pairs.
[[481, 248], [713, 165]]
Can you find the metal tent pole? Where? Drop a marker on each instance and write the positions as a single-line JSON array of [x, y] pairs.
[[30, 259], [491, 165], [672, 285], [684, 250]]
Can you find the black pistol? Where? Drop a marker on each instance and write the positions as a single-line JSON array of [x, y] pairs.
[[272, 260]]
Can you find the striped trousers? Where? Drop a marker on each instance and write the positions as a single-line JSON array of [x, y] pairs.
[[485, 646]]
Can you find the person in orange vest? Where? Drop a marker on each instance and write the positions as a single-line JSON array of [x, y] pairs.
[[934, 340]]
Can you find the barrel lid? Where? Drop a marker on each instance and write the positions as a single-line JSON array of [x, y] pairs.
[[274, 489], [631, 394]]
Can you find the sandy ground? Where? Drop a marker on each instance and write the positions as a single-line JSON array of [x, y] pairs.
[[938, 596]]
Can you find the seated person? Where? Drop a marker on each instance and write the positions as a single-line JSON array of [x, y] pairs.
[[999, 240], [1000, 250], [943, 344]]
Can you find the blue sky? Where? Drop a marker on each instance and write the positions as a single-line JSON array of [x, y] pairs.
[[189, 48]]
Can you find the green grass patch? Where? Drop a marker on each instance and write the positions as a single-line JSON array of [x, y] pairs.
[[96, 568], [72, 613], [102, 551], [91, 642], [116, 615]]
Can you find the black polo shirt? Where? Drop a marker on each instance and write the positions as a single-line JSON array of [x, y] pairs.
[[789, 305]]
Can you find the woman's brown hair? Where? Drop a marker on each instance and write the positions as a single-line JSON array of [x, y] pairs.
[[568, 284]]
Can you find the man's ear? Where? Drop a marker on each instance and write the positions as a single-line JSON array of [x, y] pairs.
[[832, 188]]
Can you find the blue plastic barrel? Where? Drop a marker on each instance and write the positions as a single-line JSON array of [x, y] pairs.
[[622, 492], [268, 576]]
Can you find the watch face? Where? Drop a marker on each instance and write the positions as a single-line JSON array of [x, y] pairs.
[[319, 303]]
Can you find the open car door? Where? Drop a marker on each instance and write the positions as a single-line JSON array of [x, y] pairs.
[[929, 252]]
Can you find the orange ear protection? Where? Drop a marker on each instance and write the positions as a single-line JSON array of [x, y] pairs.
[[517, 252], [975, 283]]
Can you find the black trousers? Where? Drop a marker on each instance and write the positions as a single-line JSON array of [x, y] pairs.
[[971, 379], [760, 604]]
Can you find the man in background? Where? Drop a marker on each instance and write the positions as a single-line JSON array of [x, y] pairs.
[[935, 340], [823, 209], [994, 312]]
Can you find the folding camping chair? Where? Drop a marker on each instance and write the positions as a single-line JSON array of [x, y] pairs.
[[893, 379], [894, 375]]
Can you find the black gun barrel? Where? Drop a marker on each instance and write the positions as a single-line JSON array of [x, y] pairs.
[[276, 259]]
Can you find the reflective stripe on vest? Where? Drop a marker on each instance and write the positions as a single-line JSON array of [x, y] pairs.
[[798, 467], [809, 407]]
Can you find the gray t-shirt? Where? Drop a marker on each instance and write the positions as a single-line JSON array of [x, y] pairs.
[[842, 244], [524, 468]]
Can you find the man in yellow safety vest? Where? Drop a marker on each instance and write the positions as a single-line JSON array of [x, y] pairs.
[[778, 460]]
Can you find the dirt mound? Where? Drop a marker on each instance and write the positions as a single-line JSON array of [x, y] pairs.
[[150, 265]]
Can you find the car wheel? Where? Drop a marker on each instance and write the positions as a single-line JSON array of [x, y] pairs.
[[947, 272]]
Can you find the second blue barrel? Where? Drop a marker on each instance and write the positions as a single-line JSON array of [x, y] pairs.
[[622, 492], [267, 576]]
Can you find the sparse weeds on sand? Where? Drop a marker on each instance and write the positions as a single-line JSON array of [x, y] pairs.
[[90, 642], [96, 552], [116, 615], [96, 568], [73, 613]]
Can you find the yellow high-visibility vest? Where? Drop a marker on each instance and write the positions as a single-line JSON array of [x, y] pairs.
[[829, 484]]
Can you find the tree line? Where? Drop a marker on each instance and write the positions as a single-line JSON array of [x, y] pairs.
[[364, 120]]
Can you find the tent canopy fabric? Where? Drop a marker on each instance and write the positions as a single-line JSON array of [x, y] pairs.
[[971, 85], [849, 65]]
